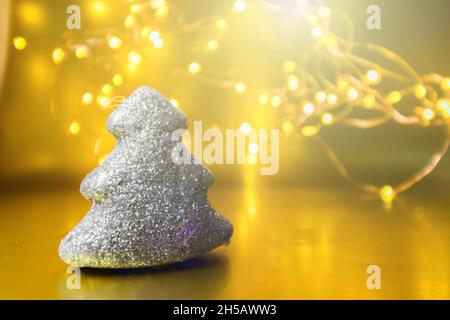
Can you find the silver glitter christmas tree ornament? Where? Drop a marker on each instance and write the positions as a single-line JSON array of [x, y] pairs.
[[148, 209]]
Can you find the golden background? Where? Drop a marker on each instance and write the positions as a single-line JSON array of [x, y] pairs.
[[303, 233]]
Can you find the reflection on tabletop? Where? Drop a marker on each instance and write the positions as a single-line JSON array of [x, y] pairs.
[[289, 243]]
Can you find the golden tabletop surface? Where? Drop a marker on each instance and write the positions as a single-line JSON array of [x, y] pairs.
[[289, 243]]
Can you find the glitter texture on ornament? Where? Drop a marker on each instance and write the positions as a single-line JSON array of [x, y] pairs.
[[148, 210]]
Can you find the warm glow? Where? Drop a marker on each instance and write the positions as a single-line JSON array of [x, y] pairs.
[[20, 43]]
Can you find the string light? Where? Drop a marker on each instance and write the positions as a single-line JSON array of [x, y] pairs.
[[352, 85], [74, 128], [221, 24], [263, 99], [81, 52], [332, 99], [387, 193], [445, 85], [153, 36], [107, 89], [308, 108], [194, 68], [327, 118], [130, 21], [394, 97], [145, 32], [240, 6], [321, 97], [115, 42], [373, 76], [99, 7], [87, 98], [134, 57], [20, 43], [309, 131], [212, 45], [287, 126], [276, 101], [317, 32], [420, 91], [289, 66], [324, 11], [118, 80], [158, 43], [246, 127], [102, 100], [292, 82], [240, 87], [253, 148], [369, 101], [58, 55], [352, 94], [136, 8], [428, 114]]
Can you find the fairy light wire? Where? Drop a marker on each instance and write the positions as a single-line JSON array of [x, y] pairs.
[[348, 90]]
